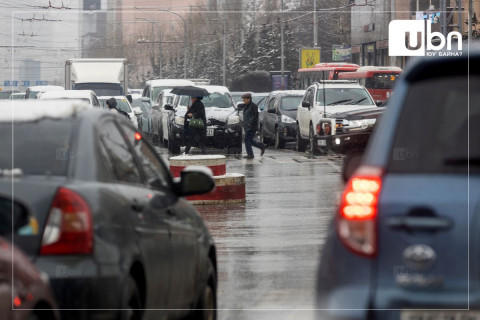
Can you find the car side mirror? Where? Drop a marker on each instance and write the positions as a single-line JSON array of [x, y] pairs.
[[350, 164], [168, 107], [137, 111], [305, 104], [129, 98], [12, 209], [194, 180], [379, 103]]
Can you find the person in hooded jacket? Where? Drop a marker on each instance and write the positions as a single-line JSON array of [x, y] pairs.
[[195, 136]]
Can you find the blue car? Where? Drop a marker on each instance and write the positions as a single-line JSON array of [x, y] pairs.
[[404, 243]]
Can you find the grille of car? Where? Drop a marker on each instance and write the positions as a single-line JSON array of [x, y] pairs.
[[215, 122], [339, 125]]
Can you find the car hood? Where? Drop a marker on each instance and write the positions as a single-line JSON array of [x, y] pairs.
[[344, 108], [370, 113], [220, 114]]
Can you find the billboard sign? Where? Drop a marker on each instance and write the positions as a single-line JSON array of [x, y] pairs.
[[341, 53], [309, 57]]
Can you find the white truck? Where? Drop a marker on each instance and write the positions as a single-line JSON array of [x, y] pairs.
[[105, 77]]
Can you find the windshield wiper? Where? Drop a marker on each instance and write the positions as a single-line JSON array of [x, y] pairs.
[[462, 161], [358, 101], [338, 102]]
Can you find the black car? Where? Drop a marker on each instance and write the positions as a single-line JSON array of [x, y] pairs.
[[223, 123], [278, 119], [115, 235]]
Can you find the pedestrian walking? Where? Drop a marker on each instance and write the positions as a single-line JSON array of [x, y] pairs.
[[250, 124], [195, 126]]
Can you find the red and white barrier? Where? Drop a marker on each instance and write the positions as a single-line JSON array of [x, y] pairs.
[[229, 187]]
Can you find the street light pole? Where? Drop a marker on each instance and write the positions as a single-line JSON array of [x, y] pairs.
[[282, 49], [315, 23], [224, 51]]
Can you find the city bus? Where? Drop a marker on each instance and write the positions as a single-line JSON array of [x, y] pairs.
[[379, 81], [323, 71]]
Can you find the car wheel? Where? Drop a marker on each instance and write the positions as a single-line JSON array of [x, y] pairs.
[[206, 308], [279, 143], [300, 144], [131, 304], [313, 148]]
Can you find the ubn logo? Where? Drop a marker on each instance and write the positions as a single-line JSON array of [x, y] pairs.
[[414, 31]]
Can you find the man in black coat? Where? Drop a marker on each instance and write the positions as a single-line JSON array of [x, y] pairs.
[[250, 124], [195, 136]]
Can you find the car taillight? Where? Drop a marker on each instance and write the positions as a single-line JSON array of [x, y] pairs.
[[69, 228], [356, 225]]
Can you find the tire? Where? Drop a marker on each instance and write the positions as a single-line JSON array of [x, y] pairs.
[[131, 303], [313, 148], [301, 146], [206, 307], [279, 143]]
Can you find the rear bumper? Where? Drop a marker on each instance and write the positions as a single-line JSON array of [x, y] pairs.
[[82, 286]]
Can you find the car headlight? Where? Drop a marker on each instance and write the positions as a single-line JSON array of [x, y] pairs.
[[286, 119], [179, 120], [233, 120], [363, 124]]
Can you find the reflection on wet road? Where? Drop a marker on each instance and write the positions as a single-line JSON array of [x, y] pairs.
[[268, 248]]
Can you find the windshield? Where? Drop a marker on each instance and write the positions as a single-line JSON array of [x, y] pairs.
[[101, 89], [290, 103], [215, 99], [384, 80], [344, 96], [47, 158], [123, 105], [32, 94], [17, 96], [237, 97]]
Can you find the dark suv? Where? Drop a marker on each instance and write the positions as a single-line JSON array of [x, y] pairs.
[[404, 242]]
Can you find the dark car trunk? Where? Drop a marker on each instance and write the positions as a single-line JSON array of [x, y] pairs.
[[37, 193]]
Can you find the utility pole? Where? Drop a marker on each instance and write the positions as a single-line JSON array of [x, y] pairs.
[[282, 49], [224, 51], [315, 24], [470, 13]]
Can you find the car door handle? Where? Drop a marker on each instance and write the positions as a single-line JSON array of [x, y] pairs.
[[136, 206], [419, 223]]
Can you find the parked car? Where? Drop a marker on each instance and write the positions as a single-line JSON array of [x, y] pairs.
[[154, 87], [258, 98], [87, 96], [223, 123], [5, 94], [125, 106], [165, 97], [24, 291], [237, 97], [17, 95], [278, 121], [32, 92], [403, 244], [321, 100], [115, 235]]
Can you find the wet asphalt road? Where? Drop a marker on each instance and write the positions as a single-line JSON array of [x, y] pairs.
[[268, 248]]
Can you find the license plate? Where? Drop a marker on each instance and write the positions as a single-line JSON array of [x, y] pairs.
[[322, 143], [210, 131], [440, 315]]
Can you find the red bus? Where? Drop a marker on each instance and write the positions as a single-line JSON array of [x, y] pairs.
[[323, 71], [379, 81]]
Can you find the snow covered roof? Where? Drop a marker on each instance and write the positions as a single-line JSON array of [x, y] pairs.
[[291, 92], [45, 88], [86, 94], [31, 110], [219, 89], [170, 82]]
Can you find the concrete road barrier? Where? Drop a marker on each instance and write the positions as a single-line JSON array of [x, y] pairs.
[[229, 188], [217, 163]]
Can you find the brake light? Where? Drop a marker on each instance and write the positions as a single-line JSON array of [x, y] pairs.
[[358, 212], [69, 228]]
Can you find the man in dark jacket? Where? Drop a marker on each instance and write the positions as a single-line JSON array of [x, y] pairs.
[[250, 124], [112, 106], [195, 136]]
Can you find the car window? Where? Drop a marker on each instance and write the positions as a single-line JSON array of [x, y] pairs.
[[152, 166], [117, 153], [50, 157], [122, 104], [95, 102], [217, 99], [433, 131], [290, 102], [353, 96]]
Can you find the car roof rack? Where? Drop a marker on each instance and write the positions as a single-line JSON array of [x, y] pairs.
[[335, 81]]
